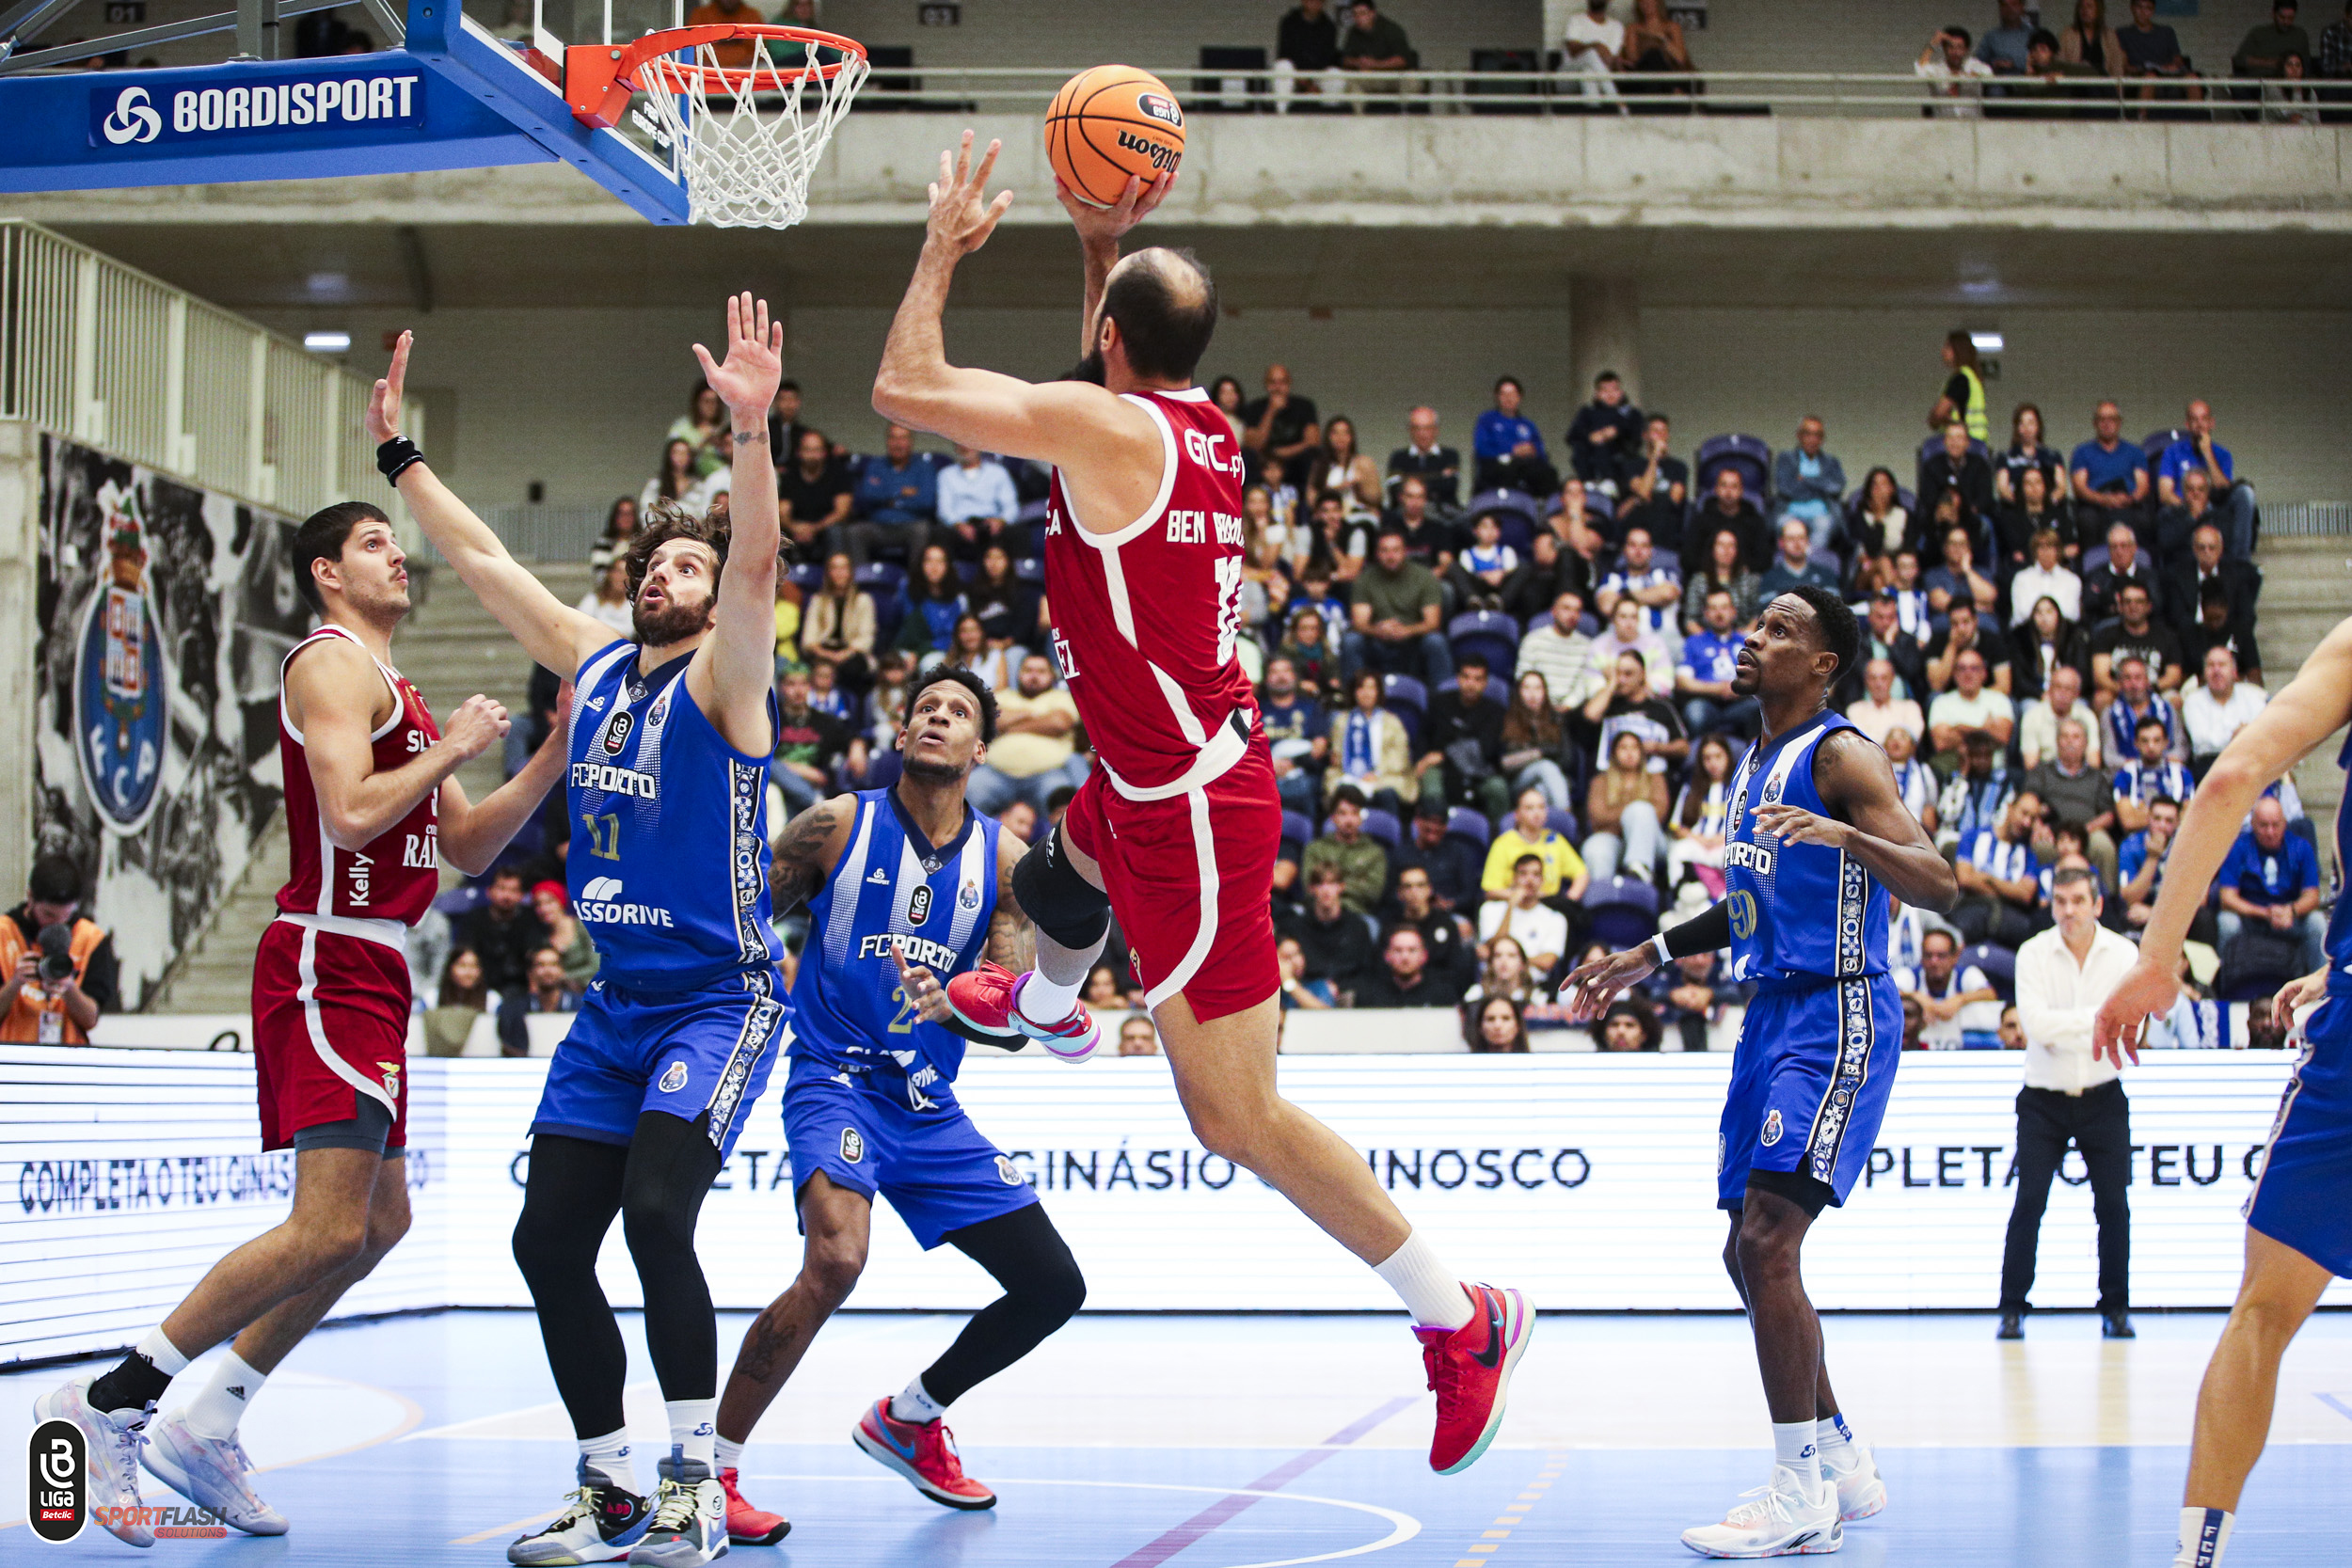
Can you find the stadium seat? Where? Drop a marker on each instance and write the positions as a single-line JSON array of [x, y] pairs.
[[1490, 633], [1749, 455], [1384, 826], [2159, 439], [806, 577], [1624, 910], [889, 609], [883, 768], [1518, 501], [2000, 965], [1469, 824], [1408, 700], [1934, 444], [1029, 571], [880, 574], [1596, 502], [967, 570], [1298, 833], [461, 900], [2093, 557], [1561, 822]]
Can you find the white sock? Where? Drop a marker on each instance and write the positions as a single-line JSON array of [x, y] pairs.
[[2204, 1535], [694, 1429], [160, 1350], [1432, 1292], [216, 1412], [1796, 1446], [914, 1403], [728, 1454], [1045, 1003], [609, 1454], [1834, 1440]]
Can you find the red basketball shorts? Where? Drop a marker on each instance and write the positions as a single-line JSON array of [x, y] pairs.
[[330, 1022], [1191, 879]]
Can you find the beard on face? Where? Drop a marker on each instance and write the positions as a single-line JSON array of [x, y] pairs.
[[929, 771], [1088, 370], [672, 624]]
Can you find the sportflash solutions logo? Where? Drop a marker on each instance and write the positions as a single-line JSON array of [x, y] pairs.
[[56, 1476]]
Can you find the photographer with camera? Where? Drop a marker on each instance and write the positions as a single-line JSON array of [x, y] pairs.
[[60, 970]]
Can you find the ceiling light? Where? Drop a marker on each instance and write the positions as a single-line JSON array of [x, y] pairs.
[[327, 342], [1985, 342]]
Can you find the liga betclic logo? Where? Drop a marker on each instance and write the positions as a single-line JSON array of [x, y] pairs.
[[57, 1474]]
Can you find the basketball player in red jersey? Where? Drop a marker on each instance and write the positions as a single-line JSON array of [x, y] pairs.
[[372, 811], [1179, 822]]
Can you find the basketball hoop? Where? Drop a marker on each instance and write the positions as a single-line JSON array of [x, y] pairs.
[[744, 137]]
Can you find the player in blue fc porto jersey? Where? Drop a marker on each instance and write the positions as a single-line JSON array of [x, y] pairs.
[[907, 889], [2298, 1220], [1816, 838]]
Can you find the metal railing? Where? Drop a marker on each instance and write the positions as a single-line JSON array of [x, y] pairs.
[[2307, 519], [105, 354]]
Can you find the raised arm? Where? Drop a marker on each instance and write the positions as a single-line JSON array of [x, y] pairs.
[[470, 835], [734, 670], [551, 631], [333, 694], [1871, 822], [2313, 706]]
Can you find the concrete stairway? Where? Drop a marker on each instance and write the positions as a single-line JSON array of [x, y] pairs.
[[2307, 589], [450, 648]]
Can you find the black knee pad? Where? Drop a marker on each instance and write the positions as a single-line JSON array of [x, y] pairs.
[[1057, 900]]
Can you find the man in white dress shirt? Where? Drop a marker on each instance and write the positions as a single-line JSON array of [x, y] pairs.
[[2070, 1097], [2218, 708]]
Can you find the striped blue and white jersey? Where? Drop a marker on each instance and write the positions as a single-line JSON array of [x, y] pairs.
[[1801, 914]]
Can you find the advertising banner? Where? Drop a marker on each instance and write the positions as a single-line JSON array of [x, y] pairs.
[[1588, 1180]]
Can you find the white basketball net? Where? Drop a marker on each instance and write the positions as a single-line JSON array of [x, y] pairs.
[[746, 138]]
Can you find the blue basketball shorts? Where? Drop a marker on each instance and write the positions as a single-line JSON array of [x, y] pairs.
[[933, 1166], [690, 1053], [2303, 1199], [1809, 1084]]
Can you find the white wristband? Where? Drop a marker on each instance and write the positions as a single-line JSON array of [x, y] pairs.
[[1658, 945]]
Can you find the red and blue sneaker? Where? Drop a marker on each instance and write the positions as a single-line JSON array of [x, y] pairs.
[[986, 999], [925, 1454], [748, 1525], [1469, 1369]]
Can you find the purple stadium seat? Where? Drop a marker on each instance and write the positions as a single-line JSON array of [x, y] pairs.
[[1297, 828], [2093, 557], [879, 576], [1518, 501], [1383, 825], [806, 577], [1408, 699], [2000, 965], [1561, 822], [967, 570], [1469, 824], [1029, 571], [1596, 502], [883, 768], [1624, 910], [1490, 633], [2159, 439], [1749, 455]]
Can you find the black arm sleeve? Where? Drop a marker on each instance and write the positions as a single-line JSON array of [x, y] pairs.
[[1704, 933]]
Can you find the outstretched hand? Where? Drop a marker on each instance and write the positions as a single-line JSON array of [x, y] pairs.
[[747, 382], [921, 986], [1104, 225], [2147, 989], [384, 401], [1590, 988], [962, 217]]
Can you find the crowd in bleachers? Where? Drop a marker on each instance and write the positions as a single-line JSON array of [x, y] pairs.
[[1497, 684]]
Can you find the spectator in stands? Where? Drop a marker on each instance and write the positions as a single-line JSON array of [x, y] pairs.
[[502, 931], [1690, 994], [1374, 43], [1962, 398], [785, 428], [1533, 742], [968, 649], [1296, 731], [1461, 741], [1019, 820], [2111, 474], [678, 481], [1654, 45], [545, 994], [1878, 521], [1560, 651], [34, 1008], [1970, 704], [1503, 975], [1007, 608], [1488, 573], [1335, 941], [1540, 931], [2264, 51], [2090, 43], [1978, 793], [1810, 483], [1960, 466], [1882, 636], [1531, 833], [1999, 877], [1452, 862], [2003, 47], [1398, 610], [1572, 540], [2134, 633], [2103, 589], [2271, 878], [2150, 773], [1628, 634], [1373, 752], [1035, 752], [1951, 996], [1794, 568], [1627, 1025], [813, 489], [2047, 642], [1724, 573], [608, 600], [1299, 991], [2234, 498], [460, 999], [2177, 525], [1656, 484], [1283, 430], [2218, 709], [1509, 447], [1951, 75], [1338, 546], [2060, 699], [1590, 48], [1624, 813], [977, 502], [2046, 577], [1136, 1037], [2075, 791], [809, 744], [1915, 781], [2149, 50], [1728, 507], [2140, 862], [2216, 628], [2201, 564], [1964, 631], [1602, 435], [700, 427], [1632, 703], [896, 498], [1414, 904], [1495, 1025], [1703, 673], [1307, 42], [1911, 610], [1881, 710], [2026, 451], [1226, 392], [1405, 978], [887, 703], [1958, 580], [1344, 844], [1696, 831], [1341, 468], [1655, 585], [2134, 699], [935, 602], [620, 530], [2335, 47], [551, 903], [1438, 467]]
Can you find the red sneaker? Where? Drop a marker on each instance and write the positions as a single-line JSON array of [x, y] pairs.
[[1469, 1367], [748, 1525], [984, 996], [925, 1454]]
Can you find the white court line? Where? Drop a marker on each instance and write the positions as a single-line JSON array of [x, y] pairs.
[[1403, 1526]]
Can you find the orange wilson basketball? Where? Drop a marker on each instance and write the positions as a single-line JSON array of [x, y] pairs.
[[1108, 123]]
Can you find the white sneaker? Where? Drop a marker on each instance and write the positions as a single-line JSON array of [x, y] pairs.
[[1860, 1492], [689, 1518], [113, 1457], [209, 1472], [599, 1523], [1779, 1521]]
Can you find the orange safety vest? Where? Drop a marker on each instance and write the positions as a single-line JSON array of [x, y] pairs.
[[38, 1017]]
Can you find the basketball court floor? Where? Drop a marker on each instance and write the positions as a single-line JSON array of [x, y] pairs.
[[1264, 1441]]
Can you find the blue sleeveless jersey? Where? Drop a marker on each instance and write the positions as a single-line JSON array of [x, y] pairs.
[[2339, 923], [669, 831], [1801, 914], [849, 1013]]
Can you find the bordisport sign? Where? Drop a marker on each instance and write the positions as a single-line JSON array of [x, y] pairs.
[[138, 116]]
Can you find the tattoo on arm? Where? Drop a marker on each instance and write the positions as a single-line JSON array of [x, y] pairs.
[[800, 857], [1012, 940]]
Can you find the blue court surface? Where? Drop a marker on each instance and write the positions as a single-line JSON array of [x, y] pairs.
[[1257, 1442]]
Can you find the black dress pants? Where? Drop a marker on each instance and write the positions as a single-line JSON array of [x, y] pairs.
[[2098, 1122]]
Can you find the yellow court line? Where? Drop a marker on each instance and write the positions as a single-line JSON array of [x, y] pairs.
[[496, 1530], [1479, 1554]]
